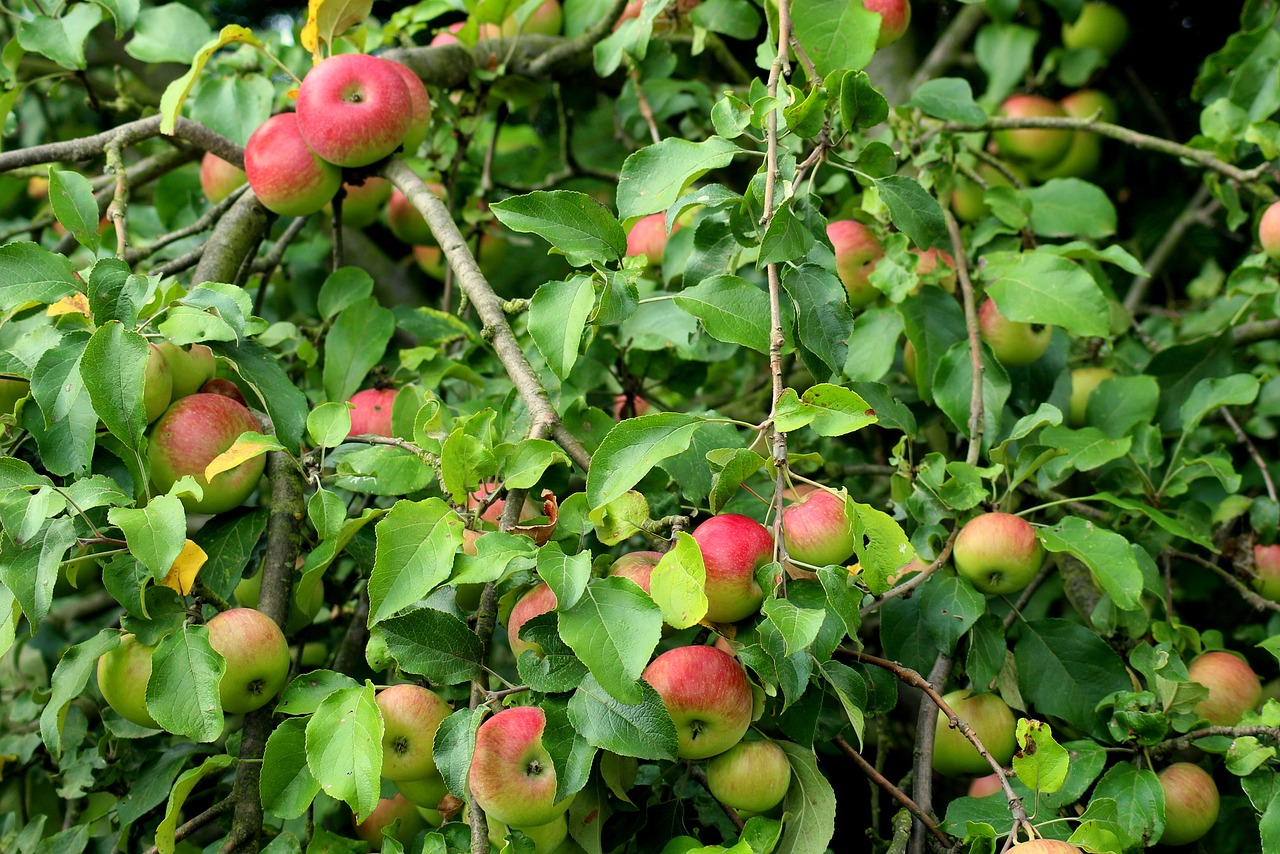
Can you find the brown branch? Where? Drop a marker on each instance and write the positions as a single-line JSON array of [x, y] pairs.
[[646, 111], [206, 221], [1182, 742], [1198, 210], [1257, 602], [1256, 330], [124, 136], [1244, 439], [232, 242], [926, 727], [700, 776], [975, 339], [190, 826], [356, 638], [896, 793], [949, 45], [580, 44], [916, 580]]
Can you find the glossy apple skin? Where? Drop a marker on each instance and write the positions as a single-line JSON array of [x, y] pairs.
[[857, 252], [1038, 148], [1083, 382], [1190, 803], [1269, 231], [983, 786], [895, 15], [387, 811], [648, 237], [226, 388], [257, 656], [186, 439], [449, 35], [371, 412], [354, 109], [539, 600], [157, 386], [189, 369], [287, 176], [411, 715], [751, 775], [992, 721], [426, 792], [638, 566], [1047, 846], [364, 203], [218, 177], [707, 695], [420, 122], [1014, 343], [512, 776], [1233, 687], [123, 674], [1100, 26], [818, 529], [998, 552], [733, 547], [1266, 566]]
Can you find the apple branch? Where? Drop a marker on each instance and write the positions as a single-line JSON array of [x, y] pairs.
[[206, 221], [949, 46], [580, 44], [1243, 438], [488, 307], [922, 767], [1198, 210], [894, 792], [190, 826], [918, 578], [232, 242], [1257, 602], [700, 776], [88, 147], [1182, 742], [975, 338]]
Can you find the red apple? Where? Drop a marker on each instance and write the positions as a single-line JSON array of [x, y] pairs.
[[1190, 803], [992, 722], [983, 786], [512, 776], [1233, 687], [857, 251], [420, 123], [257, 657], [1038, 148], [410, 715], [493, 513], [1085, 153], [430, 260], [218, 177], [364, 202], [371, 412], [1014, 343], [387, 811], [123, 674], [354, 109], [751, 775], [286, 175], [638, 566], [895, 15], [1099, 26], [449, 35], [733, 547], [1269, 230], [998, 552], [191, 433], [546, 20], [928, 264], [1083, 382], [406, 223], [189, 369], [818, 529], [539, 600], [1266, 568], [226, 388], [1047, 846], [157, 387], [639, 406], [707, 695], [648, 237]]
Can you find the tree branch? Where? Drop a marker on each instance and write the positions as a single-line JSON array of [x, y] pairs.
[[948, 47], [1257, 602], [1182, 742], [897, 794], [916, 580], [975, 339], [233, 240], [926, 727], [580, 44], [125, 135], [1198, 210]]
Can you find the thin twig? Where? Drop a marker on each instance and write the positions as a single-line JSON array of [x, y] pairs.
[[1182, 742], [917, 579], [949, 45], [975, 339], [1244, 439], [1258, 602], [581, 43], [700, 776], [1198, 210], [206, 221], [190, 826], [897, 794]]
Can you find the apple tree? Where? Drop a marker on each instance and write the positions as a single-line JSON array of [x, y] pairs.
[[665, 426]]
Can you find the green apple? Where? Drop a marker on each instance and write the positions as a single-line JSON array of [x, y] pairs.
[[1190, 803], [257, 657], [1100, 26], [410, 715], [998, 552], [1085, 153], [1083, 382], [218, 177], [157, 388], [992, 722], [189, 369], [1014, 343], [364, 202], [512, 776], [751, 775], [1234, 688], [707, 695], [1266, 572], [1037, 148], [123, 674], [545, 837], [387, 811], [427, 793]]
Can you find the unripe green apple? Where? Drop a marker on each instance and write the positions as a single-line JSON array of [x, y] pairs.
[[387, 811], [539, 600], [426, 792], [1190, 803], [285, 174], [1100, 26], [218, 177], [12, 390], [1083, 382], [967, 201], [1266, 569], [751, 775], [1269, 231], [1233, 687], [411, 715], [1038, 148], [818, 528], [257, 657], [189, 369], [895, 15], [157, 389], [992, 722], [857, 252], [998, 552], [545, 837], [733, 548], [1014, 343], [188, 437], [123, 674], [354, 109], [707, 695], [512, 776]]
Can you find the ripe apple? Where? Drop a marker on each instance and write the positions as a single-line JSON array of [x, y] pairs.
[[707, 695], [546, 838], [895, 15], [648, 237], [751, 775], [1100, 26], [857, 251], [1233, 687], [1266, 567], [512, 776], [354, 109], [1190, 803], [410, 714], [226, 388], [818, 529], [992, 721], [1038, 148], [430, 260], [449, 35], [420, 122], [546, 20], [1269, 231], [371, 412], [285, 174], [1083, 382], [928, 264], [157, 386], [123, 674], [1047, 846], [638, 566], [1014, 343], [186, 439], [189, 369], [539, 600], [218, 177], [406, 223], [983, 786], [364, 202], [257, 658], [998, 553], [387, 811], [1085, 153], [733, 547]]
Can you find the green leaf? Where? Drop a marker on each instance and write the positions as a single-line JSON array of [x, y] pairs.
[[69, 680], [642, 729], [116, 294], [632, 448], [532, 458], [824, 321], [344, 748], [1211, 393], [730, 467], [343, 288], [329, 424], [948, 98], [916, 213], [1083, 450], [31, 571], [614, 629], [861, 104], [1105, 552], [1069, 207], [434, 644], [416, 544], [653, 177], [182, 693], [1040, 287], [620, 519], [287, 786], [113, 368], [1004, 55], [737, 19], [29, 273], [166, 832], [71, 197], [61, 39], [566, 575], [880, 544], [233, 106], [851, 690], [558, 314], [786, 239], [278, 394], [798, 627], [123, 12], [811, 803], [1139, 799], [169, 33], [1065, 670], [1119, 404], [155, 533], [354, 345], [949, 608], [454, 745], [831, 410], [307, 691], [1040, 763], [678, 583], [578, 226], [731, 310], [836, 33]]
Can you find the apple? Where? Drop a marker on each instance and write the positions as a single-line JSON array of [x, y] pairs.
[[546, 20], [707, 695], [910, 360], [818, 529], [189, 369], [1269, 231], [38, 186], [545, 837], [371, 412], [426, 792], [992, 721], [639, 406], [226, 388], [406, 223], [967, 201], [354, 109], [983, 786], [1266, 568], [430, 260], [257, 657], [1083, 382], [1014, 343], [1038, 148], [857, 251], [1233, 687], [191, 433], [733, 547], [285, 174], [1046, 846], [449, 35], [638, 566], [539, 600], [927, 265], [157, 384], [420, 122], [1100, 26], [751, 775], [1190, 803], [895, 15], [998, 553], [410, 715], [1085, 153], [123, 674], [218, 177], [364, 202], [648, 237], [387, 811], [512, 777], [12, 390]]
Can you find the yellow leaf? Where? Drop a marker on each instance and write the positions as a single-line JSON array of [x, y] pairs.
[[182, 575], [248, 446], [77, 303], [328, 19], [176, 93]]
